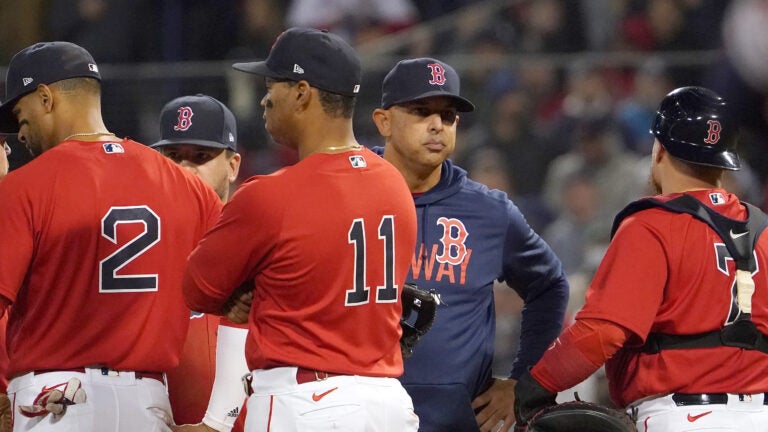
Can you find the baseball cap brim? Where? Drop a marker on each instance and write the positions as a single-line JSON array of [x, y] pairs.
[[257, 68], [178, 141], [8, 122], [462, 104]]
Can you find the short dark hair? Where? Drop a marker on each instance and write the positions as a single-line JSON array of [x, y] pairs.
[[337, 105], [79, 84]]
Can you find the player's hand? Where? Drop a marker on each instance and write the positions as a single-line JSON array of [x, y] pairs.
[[55, 399], [238, 306], [5, 413], [496, 406], [200, 427]]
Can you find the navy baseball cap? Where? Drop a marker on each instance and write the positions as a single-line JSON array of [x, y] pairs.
[[422, 78], [323, 59], [200, 120], [42, 63]]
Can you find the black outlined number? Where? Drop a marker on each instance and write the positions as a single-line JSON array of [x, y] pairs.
[[109, 280], [360, 293]]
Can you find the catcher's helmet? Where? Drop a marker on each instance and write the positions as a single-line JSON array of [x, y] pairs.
[[695, 124]]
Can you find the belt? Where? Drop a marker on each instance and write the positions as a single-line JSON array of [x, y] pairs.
[[106, 371], [304, 375], [682, 399]]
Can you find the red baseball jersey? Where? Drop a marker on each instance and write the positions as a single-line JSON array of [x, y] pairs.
[[190, 383], [327, 243], [670, 273], [95, 236]]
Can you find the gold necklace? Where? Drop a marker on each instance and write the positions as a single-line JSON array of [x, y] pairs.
[[88, 134], [348, 146]]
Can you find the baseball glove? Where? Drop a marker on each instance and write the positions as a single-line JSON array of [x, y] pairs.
[[424, 303], [580, 416]]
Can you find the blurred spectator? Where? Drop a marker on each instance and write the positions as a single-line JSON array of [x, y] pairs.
[[575, 235], [587, 96], [355, 20], [22, 23], [617, 173], [508, 129], [113, 31], [486, 165], [636, 112], [546, 25]]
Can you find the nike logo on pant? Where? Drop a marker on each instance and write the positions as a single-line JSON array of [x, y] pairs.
[[696, 417], [316, 397]]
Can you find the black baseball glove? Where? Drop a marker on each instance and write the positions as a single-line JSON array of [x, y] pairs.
[[580, 416], [424, 303]]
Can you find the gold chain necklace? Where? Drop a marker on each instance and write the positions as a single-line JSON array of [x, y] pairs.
[[88, 134], [348, 146]]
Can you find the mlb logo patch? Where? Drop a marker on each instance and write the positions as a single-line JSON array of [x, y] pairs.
[[357, 161], [113, 148], [717, 198]]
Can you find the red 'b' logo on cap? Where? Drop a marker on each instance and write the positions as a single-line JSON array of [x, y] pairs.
[[184, 121], [438, 73], [713, 134]]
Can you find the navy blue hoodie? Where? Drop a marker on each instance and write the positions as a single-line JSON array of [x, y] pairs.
[[468, 237]]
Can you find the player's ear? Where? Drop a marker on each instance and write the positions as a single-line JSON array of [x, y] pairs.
[[234, 167], [303, 93], [381, 118], [45, 95]]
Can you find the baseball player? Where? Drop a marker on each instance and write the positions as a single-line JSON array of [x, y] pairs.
[[96, 230], [200, 133], [469, 236], [327, 243], [678, 308]]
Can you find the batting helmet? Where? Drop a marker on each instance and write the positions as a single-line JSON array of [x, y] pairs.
[[695, 124]]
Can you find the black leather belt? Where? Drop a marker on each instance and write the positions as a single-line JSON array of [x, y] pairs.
[[682, 399]]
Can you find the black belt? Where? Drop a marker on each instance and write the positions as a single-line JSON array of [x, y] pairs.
[[682, 399]]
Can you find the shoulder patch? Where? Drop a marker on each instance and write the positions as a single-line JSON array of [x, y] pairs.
[[358, 161], [112, 147]]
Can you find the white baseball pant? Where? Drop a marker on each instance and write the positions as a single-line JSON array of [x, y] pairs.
[[114, 403], [729, 413], [281, 403]]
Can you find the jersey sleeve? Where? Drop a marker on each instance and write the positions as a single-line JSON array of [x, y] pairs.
[[628, 286], [536, 273], [17, 237], [227, 254]]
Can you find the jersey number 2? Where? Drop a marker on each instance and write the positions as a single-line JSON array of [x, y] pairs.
[[109, 281], [386, 293]]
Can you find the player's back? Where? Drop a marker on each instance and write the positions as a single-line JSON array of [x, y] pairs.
[[104, 230], [337, 248]]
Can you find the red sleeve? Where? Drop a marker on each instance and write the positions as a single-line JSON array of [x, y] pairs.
[[628, 286], [226, 255], [579, 351]]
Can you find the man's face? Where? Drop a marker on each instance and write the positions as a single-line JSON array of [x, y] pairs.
[[4, 156], [29, 113], [277, 111], [423, 132], [213, 165]]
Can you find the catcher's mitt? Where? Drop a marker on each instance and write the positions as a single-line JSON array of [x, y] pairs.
[[424, 303], [580, 416]]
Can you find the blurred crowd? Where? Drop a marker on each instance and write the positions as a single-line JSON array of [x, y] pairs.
[[566, 89]]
